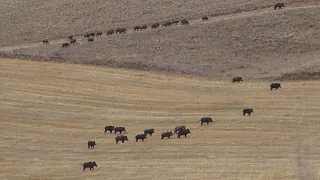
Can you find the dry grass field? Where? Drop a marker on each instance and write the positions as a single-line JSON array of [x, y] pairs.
[[245, 38], [49, 111]]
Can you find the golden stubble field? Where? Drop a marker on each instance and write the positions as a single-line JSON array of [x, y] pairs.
[[49, 111]]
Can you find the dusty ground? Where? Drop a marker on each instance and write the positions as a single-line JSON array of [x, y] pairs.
[[49, 111], [242, 38]]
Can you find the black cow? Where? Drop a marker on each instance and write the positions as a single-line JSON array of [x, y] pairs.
[[143, 27], [149, 131], [249, 111], [90, 39], [166, 134], [46, 41], [206, 120], [167, 24], [89, 165], [237, 79], [136, 28], [175, 22], [99, 33], [179, 128], [92, 34], [204, 18], [110, 31], [87, 35], [141, 136], [70, 37], [72, 41], [184, 22], [183, 132], [279, 5], [155, 25], [109, 128], [119, 129], [121, 30], [65, 44], [274, 86], [121, 138], [91, 144]]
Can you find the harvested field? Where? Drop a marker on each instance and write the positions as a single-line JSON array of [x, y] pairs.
[[49, 111]]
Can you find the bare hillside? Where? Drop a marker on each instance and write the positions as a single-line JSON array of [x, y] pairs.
[[260, 43], [49, 112]]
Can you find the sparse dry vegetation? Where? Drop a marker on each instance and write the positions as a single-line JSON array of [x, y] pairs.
[[49, 111]]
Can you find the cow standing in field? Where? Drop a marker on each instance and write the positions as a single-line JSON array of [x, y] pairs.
[[89, 165], [149, 131], [90, 39], [119, 129], [155, 25], [205, 18], [141, 136], [65, 44], [110, 32], [184, 22], [73, 41], [179, 128], [279, 5], [143, 27], [109, 128], [206, 120], [91, 144], [274, 86], [247, 111], [166, 134], [99, 33], [70, 37], [46, 41], [136, 28], [121, 138], [237, 79], [183, 133]]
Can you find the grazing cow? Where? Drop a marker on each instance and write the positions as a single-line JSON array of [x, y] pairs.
[[141, 136], [89, 165], [184, 22], [87, 35], [46, 41], [179, 128], [72, 41], [110, 32], [92, 34], [119, 129], [155, 25], [279, 5], [65, 44], [149, 131], [121, 138], [121, 30], [206, 120], [90, 39], [166, 134], [99, 33], [143, 27], [91, 144], [167, 24], [109, 128], [205, 18], [136, 28], [70, 37], [175, 22], [183, 132], [237, 79], [249, 111], [274, 86]]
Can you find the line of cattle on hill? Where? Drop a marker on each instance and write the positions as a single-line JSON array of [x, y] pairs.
[[179, 130], [90, 36]]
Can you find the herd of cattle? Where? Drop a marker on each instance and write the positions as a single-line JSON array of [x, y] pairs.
[[90, 36], [179, 130]]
